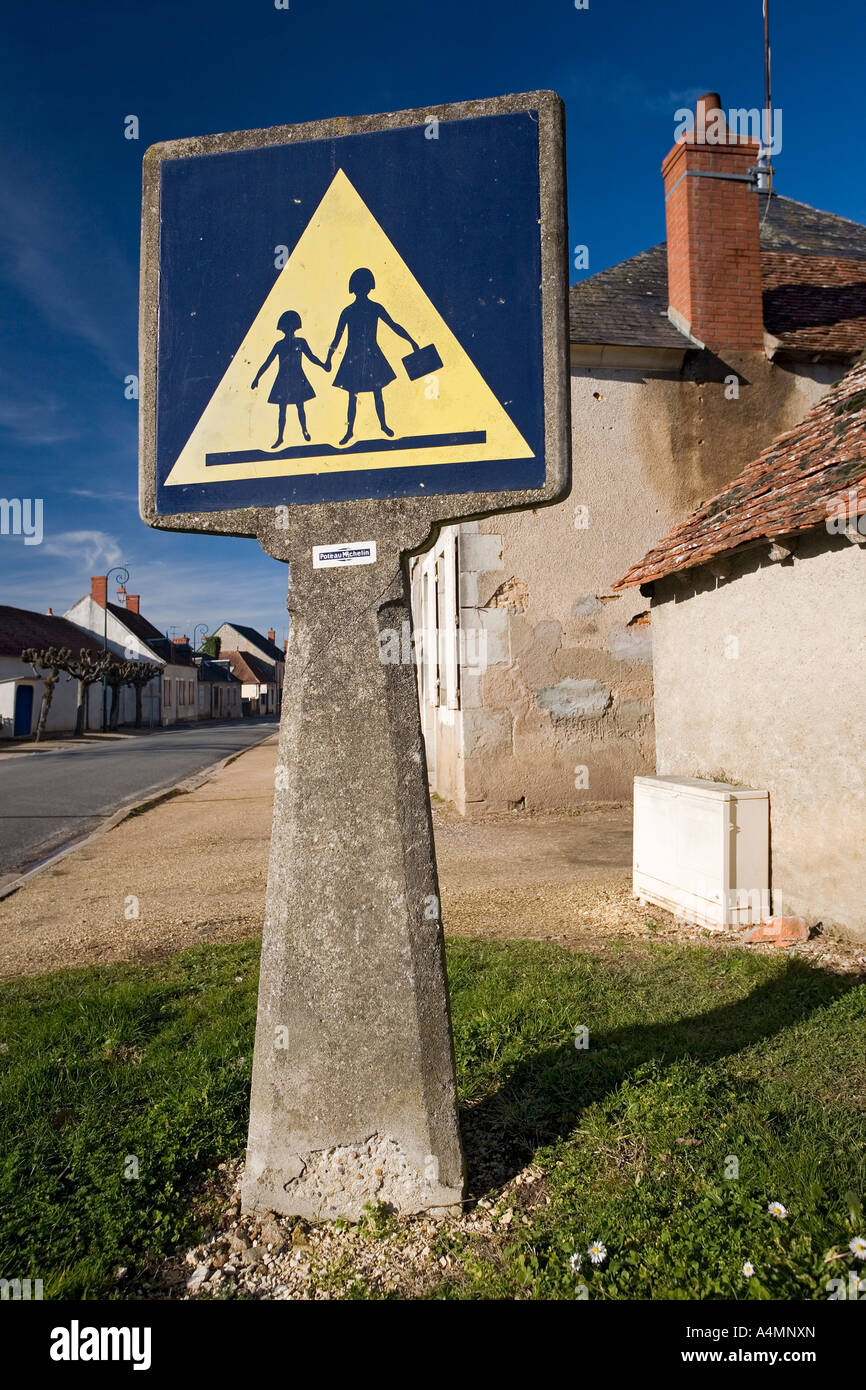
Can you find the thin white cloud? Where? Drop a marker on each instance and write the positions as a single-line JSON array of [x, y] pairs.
[[89, 550]]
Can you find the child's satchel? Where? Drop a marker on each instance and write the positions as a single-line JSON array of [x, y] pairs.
[[421, 362]]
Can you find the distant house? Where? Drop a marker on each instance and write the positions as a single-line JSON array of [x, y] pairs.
[[166, 699], [179, 679], [759, 650], [237, 637], [21, 689], [260, 688], [219, 689]]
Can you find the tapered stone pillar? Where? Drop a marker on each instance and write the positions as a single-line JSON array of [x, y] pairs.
[[353, 1093]]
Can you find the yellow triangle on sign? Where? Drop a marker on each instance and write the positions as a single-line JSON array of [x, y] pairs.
[[448, 415]]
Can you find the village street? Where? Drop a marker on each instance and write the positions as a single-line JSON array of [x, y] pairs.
[[196, 866], [62, 792]]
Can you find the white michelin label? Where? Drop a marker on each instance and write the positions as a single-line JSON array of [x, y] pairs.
[[349, 553]]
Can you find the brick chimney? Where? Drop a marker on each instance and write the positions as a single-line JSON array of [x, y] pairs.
[[272, 636], [133, 603], [714, 247], [99, 589]]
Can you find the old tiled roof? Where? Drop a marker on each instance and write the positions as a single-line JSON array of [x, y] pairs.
[[173, 653], [20, 628], [250, 668], [794, 227], [251, 635], [813, 472], [813, 266], [626, 305], [216, 672], [136, 624]]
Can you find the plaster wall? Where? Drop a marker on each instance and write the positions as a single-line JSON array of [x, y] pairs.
[[759, 679], [562, 715]]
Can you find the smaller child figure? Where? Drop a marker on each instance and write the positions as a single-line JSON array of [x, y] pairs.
[[291, 386]]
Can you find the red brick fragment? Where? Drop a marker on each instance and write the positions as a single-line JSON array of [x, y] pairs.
[[782, 931]]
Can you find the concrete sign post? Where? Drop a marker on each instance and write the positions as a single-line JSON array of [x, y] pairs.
[[353, 332]]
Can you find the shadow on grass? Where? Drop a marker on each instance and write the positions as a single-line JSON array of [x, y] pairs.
[[543, 1098]]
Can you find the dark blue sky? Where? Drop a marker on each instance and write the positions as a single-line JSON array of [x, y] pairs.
[[71, 194]]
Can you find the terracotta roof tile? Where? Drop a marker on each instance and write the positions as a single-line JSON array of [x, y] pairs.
[[812, 473], [814, 302]]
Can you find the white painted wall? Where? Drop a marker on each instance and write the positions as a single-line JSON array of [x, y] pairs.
[[61, 716], [91, 616], [760, 679]]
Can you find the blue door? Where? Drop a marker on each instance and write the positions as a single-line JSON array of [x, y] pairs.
[[23, 711]]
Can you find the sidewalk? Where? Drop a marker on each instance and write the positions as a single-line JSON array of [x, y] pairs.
[[194, 867]]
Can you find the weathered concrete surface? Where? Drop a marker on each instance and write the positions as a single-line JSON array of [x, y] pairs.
[[760, 677], [353, 1096], [353, 1062]]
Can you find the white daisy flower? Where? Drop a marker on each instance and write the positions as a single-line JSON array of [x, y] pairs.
[[597, 1252], [857, 1246], [575, 1261], [748, 1269], [856, 1285], [776, 1209]]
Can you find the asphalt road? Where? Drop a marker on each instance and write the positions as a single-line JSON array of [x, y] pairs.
[[52, 797]]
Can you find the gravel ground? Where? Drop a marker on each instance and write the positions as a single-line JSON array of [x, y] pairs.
[[560, 878], [283, 1258]]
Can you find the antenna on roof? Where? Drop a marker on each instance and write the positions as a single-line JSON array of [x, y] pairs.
[[764, 167]]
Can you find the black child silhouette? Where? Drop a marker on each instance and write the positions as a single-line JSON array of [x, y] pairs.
[[364, 366], [291, 386]]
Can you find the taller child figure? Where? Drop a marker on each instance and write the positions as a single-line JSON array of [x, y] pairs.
[[364, 366]]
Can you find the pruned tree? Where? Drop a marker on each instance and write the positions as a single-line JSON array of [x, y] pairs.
[[87, 668], [137, 674], [49, 664], [115, 678], [141, 673]]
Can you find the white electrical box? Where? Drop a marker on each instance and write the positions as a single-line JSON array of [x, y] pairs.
[[702, 849]]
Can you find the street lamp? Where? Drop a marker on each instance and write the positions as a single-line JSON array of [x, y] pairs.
[[123, 572], [204, 632]]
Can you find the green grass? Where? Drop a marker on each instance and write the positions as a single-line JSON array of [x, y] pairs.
[[736, 1054], [104, 1065]]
